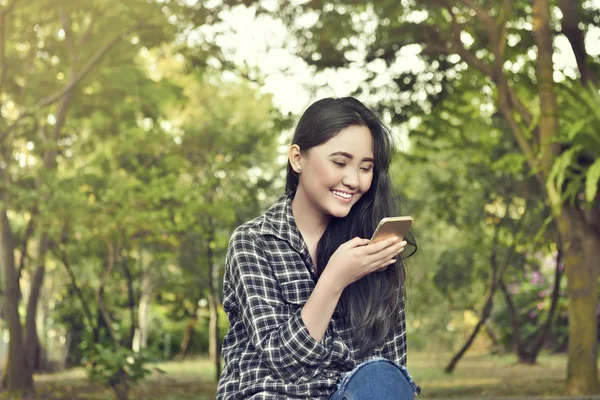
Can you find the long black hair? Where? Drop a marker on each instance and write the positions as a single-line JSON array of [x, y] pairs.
[[371, 305]]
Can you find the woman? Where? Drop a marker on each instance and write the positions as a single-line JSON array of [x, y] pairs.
[[315, 311]]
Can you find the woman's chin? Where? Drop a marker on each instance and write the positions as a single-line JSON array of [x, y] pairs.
[[339, 212]]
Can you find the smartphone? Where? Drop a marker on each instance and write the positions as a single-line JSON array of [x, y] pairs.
[[391, 226]]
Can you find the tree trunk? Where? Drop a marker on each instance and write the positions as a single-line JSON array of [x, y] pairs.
[[103, 315], [121, 386], [582, 255], [528, 351], [130, 302], [570, 28], [16, 375], [548, 125], [214, 344], [34, 353], [496, 348], [485, 313], [63, 255], [144, 309], [187, 336], [578, 238], [497, 272], [23, 248], [531, 350], [514, 318]]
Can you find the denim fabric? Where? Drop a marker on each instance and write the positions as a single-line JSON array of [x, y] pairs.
[[377, 379]]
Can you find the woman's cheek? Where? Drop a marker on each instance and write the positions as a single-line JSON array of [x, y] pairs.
[[367, 183], [325, 172]]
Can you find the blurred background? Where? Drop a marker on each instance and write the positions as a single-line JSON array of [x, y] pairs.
[[136, 135]]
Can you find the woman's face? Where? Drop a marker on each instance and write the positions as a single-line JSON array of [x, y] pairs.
[[338, 172]]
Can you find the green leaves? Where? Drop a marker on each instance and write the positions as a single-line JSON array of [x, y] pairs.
[[592, 180], [575, 174], [108, 366], [561, 171]]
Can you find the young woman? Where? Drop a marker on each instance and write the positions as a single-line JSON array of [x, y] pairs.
[[315, 311]]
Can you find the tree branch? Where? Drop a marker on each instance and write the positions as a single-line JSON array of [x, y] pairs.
[[458, 46], [64, 257], [24, 242], [570, 28], [66, 23], [29, 67], [482, 14], [88, 32], [498, 43], [507, 6], [3, 14], [130, 301], [76, 79], [544, 329], [512, 311], [100, 292], [86, 69], [519, 106], [9, 8]]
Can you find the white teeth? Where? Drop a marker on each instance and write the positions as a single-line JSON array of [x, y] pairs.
[[342, 194]]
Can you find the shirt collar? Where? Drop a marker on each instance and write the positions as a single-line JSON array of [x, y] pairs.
[[279, 222]]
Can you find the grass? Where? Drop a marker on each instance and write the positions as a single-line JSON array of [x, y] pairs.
[[488, 377], [475, 377], [181, 380]]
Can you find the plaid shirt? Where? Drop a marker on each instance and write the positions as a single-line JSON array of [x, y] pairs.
[[268, 351]]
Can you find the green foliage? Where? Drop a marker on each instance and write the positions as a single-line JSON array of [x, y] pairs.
[[435, 68], [530, 288], [592, 180], [109, 366], [575, 173]]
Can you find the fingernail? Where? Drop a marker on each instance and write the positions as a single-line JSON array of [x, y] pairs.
[[393, 261]]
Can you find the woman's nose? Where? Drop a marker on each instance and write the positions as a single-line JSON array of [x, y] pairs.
[[351, 179]]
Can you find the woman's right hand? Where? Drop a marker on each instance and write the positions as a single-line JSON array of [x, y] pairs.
[[357, 258]]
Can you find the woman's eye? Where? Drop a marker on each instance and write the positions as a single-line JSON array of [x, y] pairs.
[[366, 169], [339, 164]]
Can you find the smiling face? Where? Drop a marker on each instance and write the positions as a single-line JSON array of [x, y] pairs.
[[335, 174]]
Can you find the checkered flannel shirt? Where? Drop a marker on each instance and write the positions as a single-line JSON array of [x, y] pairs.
[[268, 351]]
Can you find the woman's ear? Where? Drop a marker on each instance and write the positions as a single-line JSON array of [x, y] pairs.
[[296, 158]]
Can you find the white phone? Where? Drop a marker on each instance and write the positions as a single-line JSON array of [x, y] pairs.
[[392, 226]]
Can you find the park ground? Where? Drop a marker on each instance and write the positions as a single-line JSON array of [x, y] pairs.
[[477, 376]]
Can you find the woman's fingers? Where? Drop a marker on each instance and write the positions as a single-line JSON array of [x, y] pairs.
[[386, 264], [386, 253], [356, 242], [379, 246], [388, 258]]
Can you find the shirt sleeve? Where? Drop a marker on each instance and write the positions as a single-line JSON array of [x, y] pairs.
[[394, 348], [280, 337]]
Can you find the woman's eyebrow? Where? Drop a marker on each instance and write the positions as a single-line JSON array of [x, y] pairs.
[[350, 156]]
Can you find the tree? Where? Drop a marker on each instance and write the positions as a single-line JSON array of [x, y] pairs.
[[227, 145], [480, 186], [497, 42], [43, 63]]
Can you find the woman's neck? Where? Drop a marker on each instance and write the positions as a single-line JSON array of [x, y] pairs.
[[311, 221]]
